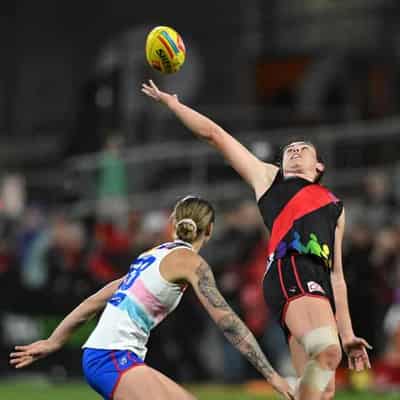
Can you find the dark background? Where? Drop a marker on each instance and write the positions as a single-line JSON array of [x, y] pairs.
[[70, 76]]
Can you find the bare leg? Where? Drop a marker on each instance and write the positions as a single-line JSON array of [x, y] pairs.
[[300, 359], [143, 383], [299, 356], [329, 393], [303, 316]]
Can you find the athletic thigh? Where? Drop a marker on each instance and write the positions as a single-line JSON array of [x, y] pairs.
[[143, 383], [292, 281], [308, 313], [298, 355]]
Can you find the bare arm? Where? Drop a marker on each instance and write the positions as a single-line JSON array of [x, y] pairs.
[[203, 283], [231, 325], [258, 174], [25, 355], [354, 347], [339, 284], [185, 265], [83, 312]]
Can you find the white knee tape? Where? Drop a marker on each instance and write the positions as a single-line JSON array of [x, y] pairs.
[[316, 377], [319, 339]]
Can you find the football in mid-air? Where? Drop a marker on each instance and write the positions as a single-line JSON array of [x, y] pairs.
[[165, 50]]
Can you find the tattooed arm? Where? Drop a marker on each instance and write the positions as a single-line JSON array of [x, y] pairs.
[[203, 282], [185, 265], [231, 325]]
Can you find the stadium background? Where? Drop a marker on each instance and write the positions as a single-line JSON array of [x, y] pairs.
[[90, 169]]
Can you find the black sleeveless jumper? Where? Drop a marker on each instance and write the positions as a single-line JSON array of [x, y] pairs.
[[301, 217]]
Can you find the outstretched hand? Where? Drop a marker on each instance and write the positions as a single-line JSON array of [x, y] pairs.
[[356, 350], [282, 386], [155, 93], [25, 355]]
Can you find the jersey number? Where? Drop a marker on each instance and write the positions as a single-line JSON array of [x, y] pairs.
[[135, 270]]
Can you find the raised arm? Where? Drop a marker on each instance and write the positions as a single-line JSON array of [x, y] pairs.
[[354, 347], [25, 355], [188, 266], [258, 174]]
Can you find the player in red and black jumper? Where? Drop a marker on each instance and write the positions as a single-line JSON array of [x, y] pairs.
[[304, 284]]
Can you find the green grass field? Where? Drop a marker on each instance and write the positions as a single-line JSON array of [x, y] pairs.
[[37, 390]]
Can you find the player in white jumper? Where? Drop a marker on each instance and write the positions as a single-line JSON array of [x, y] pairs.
[[113, 357]]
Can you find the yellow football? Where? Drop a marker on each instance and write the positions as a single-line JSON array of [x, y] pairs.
[[165, 50]]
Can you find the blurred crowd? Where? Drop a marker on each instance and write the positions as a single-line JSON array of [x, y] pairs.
[[372, 267], [50, 261]]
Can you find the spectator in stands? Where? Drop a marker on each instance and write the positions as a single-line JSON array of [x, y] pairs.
[[112, 188], [360, 273], [377, 203], [111, 254], [35, 240], [9, 271], [387, 369], [385, 261], [68, 279]]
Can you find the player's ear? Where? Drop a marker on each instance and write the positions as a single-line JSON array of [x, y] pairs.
[[209, 230], [320, 167]]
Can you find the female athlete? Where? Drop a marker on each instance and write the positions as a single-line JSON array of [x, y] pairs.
[[113, 354], [304, 285]]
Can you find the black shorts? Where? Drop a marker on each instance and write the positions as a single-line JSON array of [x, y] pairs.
[[293, 277]]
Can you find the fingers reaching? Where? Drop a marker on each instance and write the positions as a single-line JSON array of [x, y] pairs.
[[357, 354], [365, 343], [365, 358], [21, 348], [146, 89], [361, 342], [21, 362], [24, 363], [151, 90], [359, 364], [25, 355], [153, 85], [350, 362], [358, 360], [290, 396], [284, 388], [21, 359], [30, 350]]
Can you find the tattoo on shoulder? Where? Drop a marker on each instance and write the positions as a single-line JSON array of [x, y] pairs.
[[208, 287]]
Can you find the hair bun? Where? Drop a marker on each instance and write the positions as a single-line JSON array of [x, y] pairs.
[[187, 221], [186, 230]]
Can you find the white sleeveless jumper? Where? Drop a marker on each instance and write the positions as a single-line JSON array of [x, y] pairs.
[[141, 302]]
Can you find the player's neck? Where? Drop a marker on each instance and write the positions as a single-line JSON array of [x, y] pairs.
[[197, 245], [302, 175]]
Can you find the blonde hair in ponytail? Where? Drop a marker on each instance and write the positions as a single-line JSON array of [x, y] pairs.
[[192, 216]]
